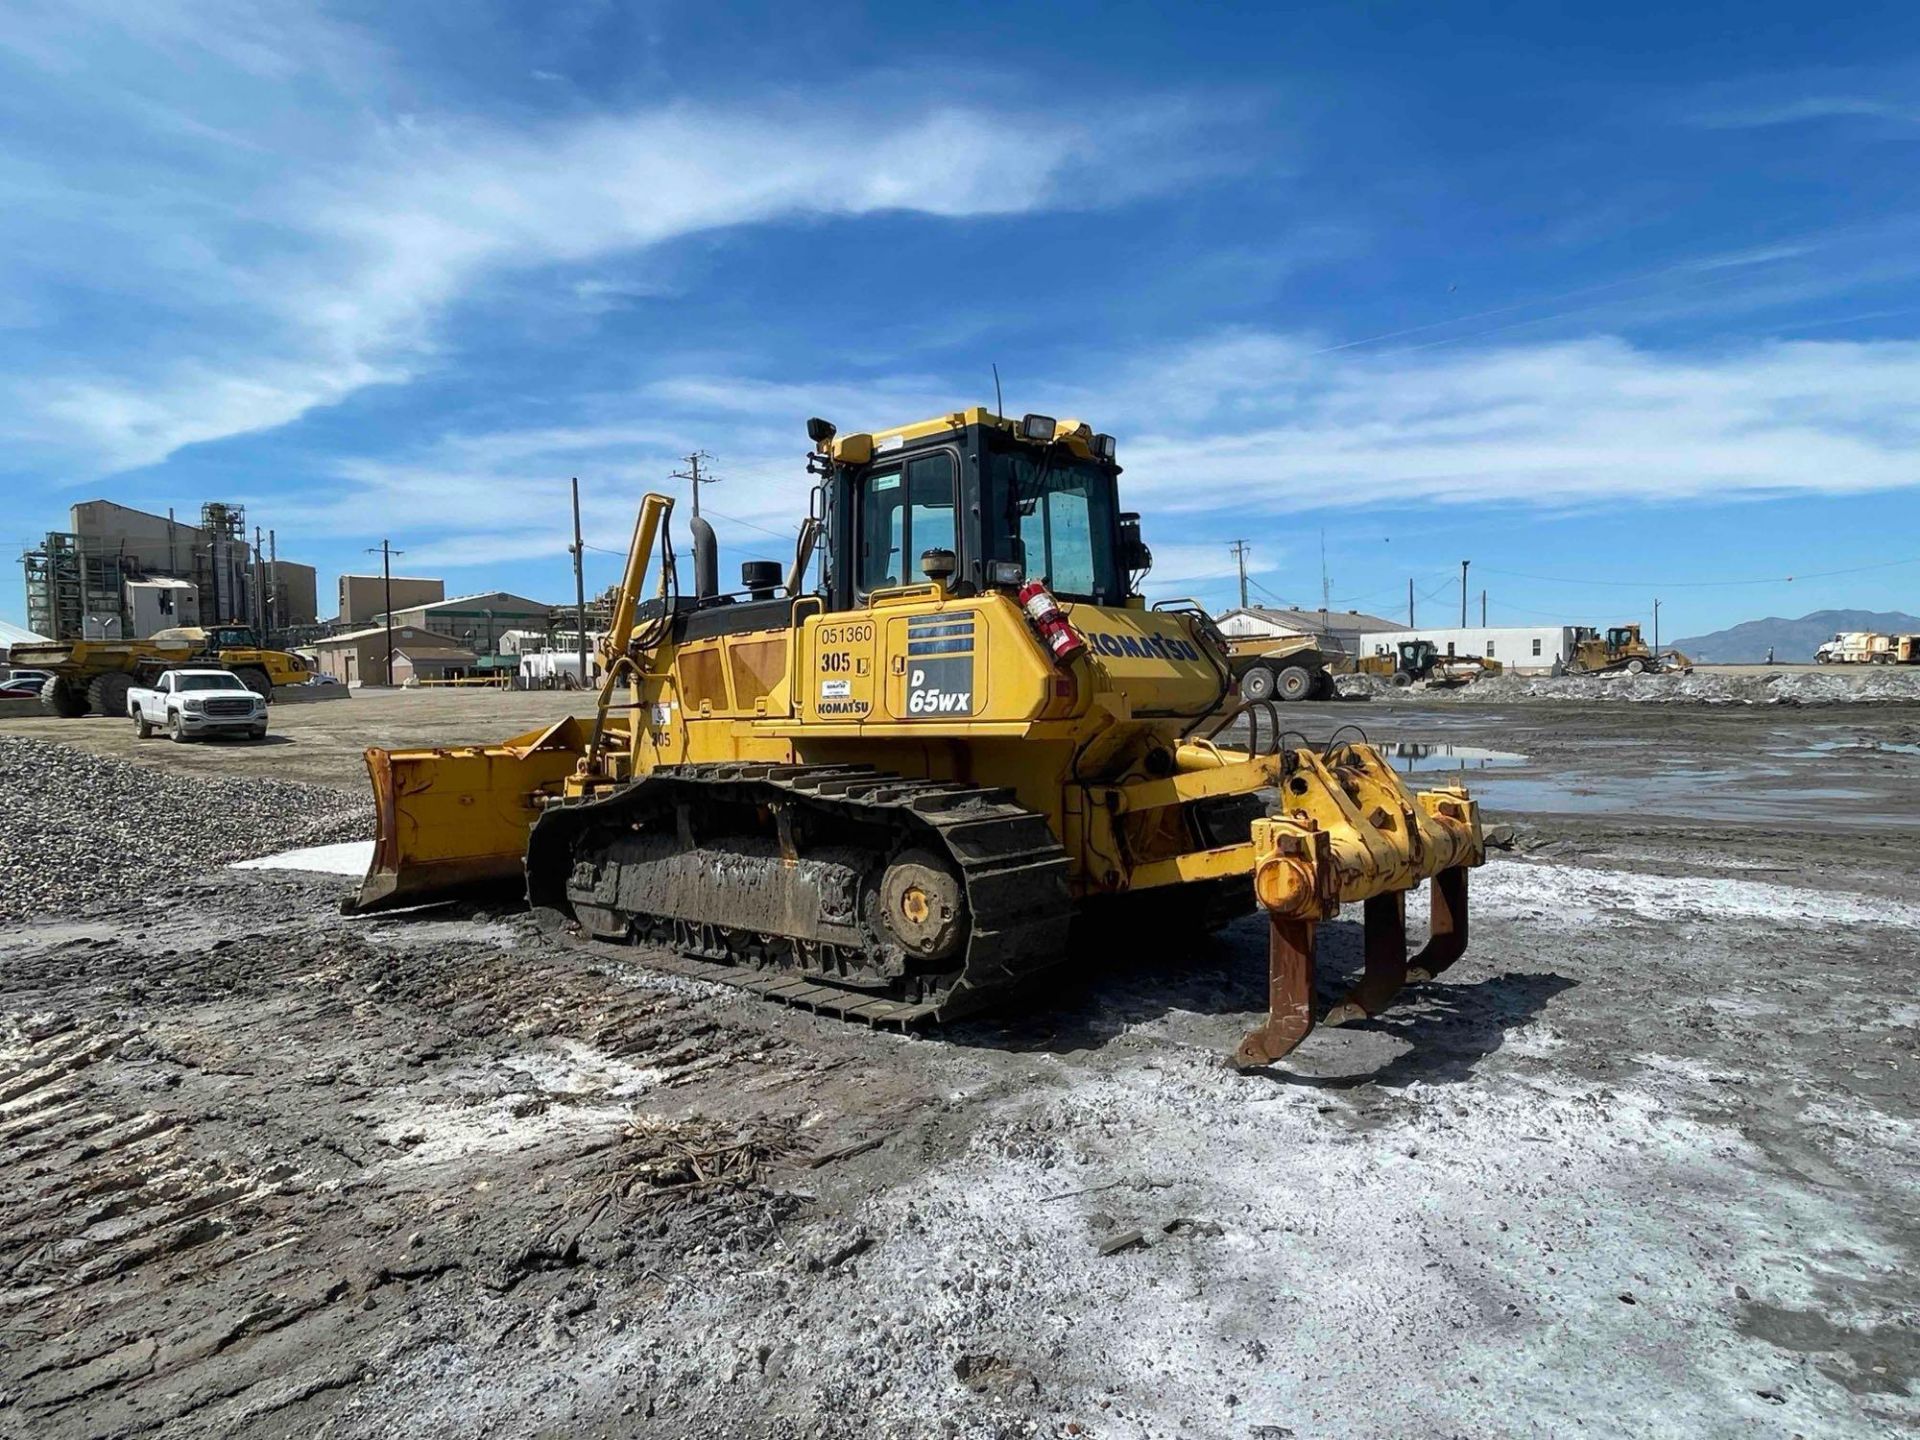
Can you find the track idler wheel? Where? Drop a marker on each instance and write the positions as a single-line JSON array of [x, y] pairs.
[[923, 906]]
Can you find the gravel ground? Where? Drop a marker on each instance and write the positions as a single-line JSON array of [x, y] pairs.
[[1641, 1164], [83, 831]]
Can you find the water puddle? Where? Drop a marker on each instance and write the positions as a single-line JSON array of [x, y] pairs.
[[1826, 749], [1420, 757]]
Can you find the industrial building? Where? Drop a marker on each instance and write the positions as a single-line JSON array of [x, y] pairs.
[[1349, 631], [359, 657], [101, 578], [1525, 649], [478, 623], [363, 597]]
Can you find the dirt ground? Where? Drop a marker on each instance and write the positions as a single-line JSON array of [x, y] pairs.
[[1642, 1164]]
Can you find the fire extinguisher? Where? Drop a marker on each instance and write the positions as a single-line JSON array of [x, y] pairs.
[[1047, 617]]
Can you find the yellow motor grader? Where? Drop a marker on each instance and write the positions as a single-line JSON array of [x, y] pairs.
[[895, 792]]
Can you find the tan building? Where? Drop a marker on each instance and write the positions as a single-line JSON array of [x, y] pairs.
[[359, 657], [363, 597], [1346, 630], [293, 594]]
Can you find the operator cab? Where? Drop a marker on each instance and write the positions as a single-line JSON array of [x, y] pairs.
[[1620, 637], [996, 502], [232, 637]]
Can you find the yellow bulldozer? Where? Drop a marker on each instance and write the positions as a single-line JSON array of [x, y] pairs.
[[896, 796], [1620, 650]]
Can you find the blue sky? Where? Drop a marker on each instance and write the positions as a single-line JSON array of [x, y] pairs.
[[1615, 301]]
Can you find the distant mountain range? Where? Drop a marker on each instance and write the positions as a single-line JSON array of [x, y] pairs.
[[1790, 640]]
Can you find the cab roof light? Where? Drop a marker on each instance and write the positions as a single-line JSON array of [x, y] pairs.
[[1038, 427], [1103, 446]]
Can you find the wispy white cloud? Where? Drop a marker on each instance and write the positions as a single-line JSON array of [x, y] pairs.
[[1225, 437], [1261, 424], [1810, 107], [276, 267]]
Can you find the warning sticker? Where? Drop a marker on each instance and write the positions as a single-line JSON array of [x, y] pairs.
[[661, 714]]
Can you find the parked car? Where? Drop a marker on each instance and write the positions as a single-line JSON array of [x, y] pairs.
[[21, 687], [189, 704]]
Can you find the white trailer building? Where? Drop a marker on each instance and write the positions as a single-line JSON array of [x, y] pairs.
[[1524, 649]]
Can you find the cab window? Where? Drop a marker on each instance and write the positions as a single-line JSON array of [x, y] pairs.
[[904, 511]]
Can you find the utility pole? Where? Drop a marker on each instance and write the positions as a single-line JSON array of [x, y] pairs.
[[580, 580], [1656, 627], [1410, 624], [259, 606], [693, 475], [1326, 586], [273, 583], [1483, 609], [387, 552], [1240, 557], [1463, 593]]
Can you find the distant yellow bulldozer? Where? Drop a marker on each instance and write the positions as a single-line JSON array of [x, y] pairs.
[[1620, 650], [893, 793]]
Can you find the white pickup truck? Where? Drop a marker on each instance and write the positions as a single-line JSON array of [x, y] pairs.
[[191, 703]]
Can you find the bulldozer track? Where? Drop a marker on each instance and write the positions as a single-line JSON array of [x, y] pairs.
[[1012, 870]]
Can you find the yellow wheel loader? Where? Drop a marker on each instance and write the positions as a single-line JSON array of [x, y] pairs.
[[896, 793]]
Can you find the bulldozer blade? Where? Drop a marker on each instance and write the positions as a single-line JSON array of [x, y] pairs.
[[454, 820], [1290, 977], [1447, 934], [1386, 961]]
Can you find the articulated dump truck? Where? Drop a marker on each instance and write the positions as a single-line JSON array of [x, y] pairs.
[[910, 789]]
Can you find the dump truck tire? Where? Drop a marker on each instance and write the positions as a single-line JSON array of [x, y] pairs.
[[1294, 683], [62, 697], [1257, 684], [256, 680], [107, 694], [1323, 686]]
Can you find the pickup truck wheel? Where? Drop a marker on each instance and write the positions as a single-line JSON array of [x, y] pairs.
[[141, 729], [176, 731], [1294, 683], [1257, 684], [256, 680]]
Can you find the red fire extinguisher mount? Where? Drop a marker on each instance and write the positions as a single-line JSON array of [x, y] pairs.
[[1063, 642]]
